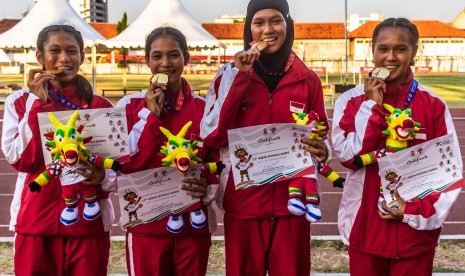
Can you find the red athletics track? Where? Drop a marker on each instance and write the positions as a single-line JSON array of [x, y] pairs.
[[455, 224]]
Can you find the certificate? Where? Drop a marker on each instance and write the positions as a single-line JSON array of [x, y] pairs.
[[268, 153], [428, 168], [153, 194], [107, 127]]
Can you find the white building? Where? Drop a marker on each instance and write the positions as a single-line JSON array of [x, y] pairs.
[[354, 21], [91, 10]]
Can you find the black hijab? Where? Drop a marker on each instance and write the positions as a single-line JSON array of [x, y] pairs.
[[270, 67]]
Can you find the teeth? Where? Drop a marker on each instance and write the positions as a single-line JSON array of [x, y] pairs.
[[70, 160], [268, 39]]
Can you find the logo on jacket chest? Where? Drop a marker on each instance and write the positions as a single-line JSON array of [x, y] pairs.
[[296, 107]]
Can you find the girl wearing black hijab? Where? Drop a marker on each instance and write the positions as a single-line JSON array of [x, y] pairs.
[[265, 84]]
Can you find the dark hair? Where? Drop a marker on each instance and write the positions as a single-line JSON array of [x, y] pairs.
[[166, 31], [84, 89], [397, 22]]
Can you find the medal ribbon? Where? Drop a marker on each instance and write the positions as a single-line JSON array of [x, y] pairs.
[[411, 93], [62, 100], [177, 105]]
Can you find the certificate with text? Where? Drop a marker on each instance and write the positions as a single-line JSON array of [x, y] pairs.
[[428, 168], [153, 194], [268, 153], [107, 127]]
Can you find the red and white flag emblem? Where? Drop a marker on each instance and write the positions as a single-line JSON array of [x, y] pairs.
[[296, 107]]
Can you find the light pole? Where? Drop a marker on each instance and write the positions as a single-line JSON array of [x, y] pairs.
[[347, 45]]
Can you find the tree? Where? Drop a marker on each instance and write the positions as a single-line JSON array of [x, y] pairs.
[[120, 27], [122, 24]]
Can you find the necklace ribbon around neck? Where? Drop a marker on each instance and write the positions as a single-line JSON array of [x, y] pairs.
[[62, 100], [411, 93]]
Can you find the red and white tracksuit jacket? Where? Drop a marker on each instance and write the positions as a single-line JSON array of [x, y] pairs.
[[145, 142], [357, 126], [39, 213], [240, 99]]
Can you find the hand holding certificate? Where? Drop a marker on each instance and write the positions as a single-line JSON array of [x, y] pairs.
[[428, 168]]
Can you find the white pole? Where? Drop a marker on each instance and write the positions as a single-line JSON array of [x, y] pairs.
[[25, 68], [346, 76], [94, 65]]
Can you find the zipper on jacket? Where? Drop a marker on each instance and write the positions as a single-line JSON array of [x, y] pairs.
[[270, 99]]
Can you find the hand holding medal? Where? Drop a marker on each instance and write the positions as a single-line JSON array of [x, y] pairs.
[[155, 96], [38, 82], [375, 87], [244, 60]]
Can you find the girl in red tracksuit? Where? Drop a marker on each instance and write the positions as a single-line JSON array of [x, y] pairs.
[[43, 245], [261, 235], [402, 241], [151, 249]]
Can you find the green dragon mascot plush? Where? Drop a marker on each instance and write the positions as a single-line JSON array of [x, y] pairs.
[[67, 150], [400, 129], [295, 205], [180, 153]]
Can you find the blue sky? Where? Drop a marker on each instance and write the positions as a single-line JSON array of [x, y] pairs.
[[301, 10]]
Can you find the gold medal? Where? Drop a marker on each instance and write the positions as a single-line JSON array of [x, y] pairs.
[[53, 71], [380, 73], [261, 45], [160, 78]]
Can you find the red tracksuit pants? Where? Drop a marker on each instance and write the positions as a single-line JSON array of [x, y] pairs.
[[55, 255], [362, 264], [149, 255], [279, 246]]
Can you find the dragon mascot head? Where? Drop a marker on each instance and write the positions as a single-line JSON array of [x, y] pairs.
[[178, 150], [400, 128]]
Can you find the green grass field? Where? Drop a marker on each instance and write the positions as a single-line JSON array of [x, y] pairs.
[[451, 87], [327, 256]]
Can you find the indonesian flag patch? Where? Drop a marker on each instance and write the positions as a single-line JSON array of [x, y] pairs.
[[296, 107]]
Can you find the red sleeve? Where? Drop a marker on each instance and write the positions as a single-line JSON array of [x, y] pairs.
[[222, 102]]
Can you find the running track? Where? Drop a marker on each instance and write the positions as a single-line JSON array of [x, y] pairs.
[[455, 224]]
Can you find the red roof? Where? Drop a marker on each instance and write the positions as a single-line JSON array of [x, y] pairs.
[[6, 24], [302, 30], [225, 30], [107, 30], [426, 28], [319, 30]]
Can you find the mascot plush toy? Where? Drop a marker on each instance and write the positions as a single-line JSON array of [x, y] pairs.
[[400, 128], [180, 153], [67, 150], [295, 205]]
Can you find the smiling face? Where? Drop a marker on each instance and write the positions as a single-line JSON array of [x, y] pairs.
[[61, 52], [269, 25], [393, 49], [166, 57]]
